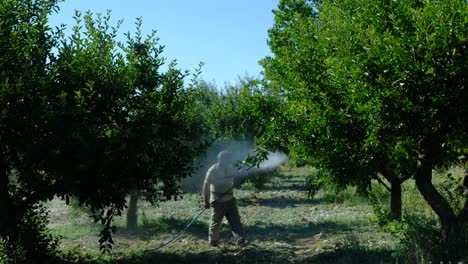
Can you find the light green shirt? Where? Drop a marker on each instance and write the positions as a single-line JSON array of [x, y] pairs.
[[221, 182]]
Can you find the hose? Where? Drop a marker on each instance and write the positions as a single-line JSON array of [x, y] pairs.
[[183, 230], [187, 227]]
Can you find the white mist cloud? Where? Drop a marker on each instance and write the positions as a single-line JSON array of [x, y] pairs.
[[273, 161], [240, 150]]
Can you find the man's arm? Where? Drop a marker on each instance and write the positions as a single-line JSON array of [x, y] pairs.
[[206, 193]]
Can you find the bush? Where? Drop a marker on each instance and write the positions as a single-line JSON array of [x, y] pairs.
[[419, 240], [259, 179], [33, 244], [378, 199], [11, 252], [75, 209], [314, 182]]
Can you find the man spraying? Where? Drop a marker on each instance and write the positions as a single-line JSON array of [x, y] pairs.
[[218, 194]]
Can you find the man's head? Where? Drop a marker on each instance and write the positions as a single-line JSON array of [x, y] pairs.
[[224, 158]]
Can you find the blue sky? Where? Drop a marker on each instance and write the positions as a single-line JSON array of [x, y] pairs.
[[229, 36]]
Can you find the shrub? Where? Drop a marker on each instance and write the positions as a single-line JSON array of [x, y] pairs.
[[314, 182], [34, 244], [259, 179], [378, 199]]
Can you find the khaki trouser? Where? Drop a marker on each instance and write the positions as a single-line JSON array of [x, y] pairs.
[[230, 210]]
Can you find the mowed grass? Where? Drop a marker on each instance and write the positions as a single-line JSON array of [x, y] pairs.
[[282, 223]]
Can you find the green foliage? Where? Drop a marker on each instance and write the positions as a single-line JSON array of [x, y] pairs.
[[34, 243], [419, 239], [388, 55], [34, 238], [315, 125], [259, 179], [93, 120], [3, 254], [419, 231], [315, 181], [138, 118], [378, 199], [235, 115], [422, 242], [135, 118], [365, 82], [11, 253], [451, 187], [364, 65], [75, 209], [240, 111]]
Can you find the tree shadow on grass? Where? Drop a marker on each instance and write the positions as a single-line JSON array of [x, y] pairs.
[[282, 202], [352, 255], [254, 254], [260, 230], [263, 236], [278, 187], [275, 187], [164, 226], [291, 233], [225, 256]]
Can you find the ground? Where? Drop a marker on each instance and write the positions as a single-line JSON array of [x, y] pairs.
[[283, 224]]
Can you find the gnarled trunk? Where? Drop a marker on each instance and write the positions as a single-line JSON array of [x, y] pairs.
[[450, 225]]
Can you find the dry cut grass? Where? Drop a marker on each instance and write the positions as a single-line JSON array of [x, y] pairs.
[[283, 226]]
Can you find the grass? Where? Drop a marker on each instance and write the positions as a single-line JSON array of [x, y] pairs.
[[283, 226]]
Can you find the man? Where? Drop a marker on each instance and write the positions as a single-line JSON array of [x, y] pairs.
[[218, 194]]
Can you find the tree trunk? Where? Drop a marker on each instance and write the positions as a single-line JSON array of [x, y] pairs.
[[132, 216], [423, 177], [395, 202], [395, 190], [364, 188]]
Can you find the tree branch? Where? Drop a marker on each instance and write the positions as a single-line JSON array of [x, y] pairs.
[[383, 183]]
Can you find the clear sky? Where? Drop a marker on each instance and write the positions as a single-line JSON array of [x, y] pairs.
[[229, 36]]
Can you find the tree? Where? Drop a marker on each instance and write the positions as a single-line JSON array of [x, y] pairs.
[[95, 120], [416, 63], [321, 111], [393, 71], [24, 69]]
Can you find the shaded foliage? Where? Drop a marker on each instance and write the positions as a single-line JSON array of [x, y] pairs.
[[374, 88], [94, 119]]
